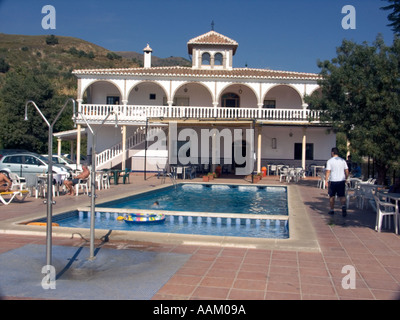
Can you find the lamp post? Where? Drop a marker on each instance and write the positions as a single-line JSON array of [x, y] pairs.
[[49, 200], [93, 179]]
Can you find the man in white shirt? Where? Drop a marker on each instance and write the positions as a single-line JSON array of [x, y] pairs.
[[336, 174]]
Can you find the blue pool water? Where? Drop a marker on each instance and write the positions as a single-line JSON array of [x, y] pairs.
[[210, 198], [195, 198], [233, 227]]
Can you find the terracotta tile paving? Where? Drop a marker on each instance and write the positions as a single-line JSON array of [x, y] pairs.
[[221, 273]]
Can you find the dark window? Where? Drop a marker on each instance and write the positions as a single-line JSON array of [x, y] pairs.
[[13, 159], [32, 160], [112, 100], [309, 151], [230, 100], [205, 59], [271, 104], [218, 59], [152, 96]]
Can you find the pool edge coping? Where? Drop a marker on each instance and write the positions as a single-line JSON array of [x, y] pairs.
[[302, 236]]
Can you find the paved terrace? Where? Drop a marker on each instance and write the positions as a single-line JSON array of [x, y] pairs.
[[241, 270]]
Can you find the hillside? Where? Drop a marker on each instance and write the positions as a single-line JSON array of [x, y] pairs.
[[70, 53], [155, 61], [58, 58]]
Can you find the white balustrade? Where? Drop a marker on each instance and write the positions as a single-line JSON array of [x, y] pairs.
[[130, 113]]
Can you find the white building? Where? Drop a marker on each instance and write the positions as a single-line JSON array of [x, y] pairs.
[[209, 95]]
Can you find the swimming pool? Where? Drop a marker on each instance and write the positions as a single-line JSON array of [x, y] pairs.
[[215, 198], [197, 209]]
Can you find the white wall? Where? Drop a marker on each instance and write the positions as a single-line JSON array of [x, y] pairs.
[[323, 142], [285, 97], [100, 90]]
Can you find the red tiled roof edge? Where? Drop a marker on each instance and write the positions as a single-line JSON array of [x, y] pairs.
[[191, 72]]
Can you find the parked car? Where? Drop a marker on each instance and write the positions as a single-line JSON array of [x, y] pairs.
[[3, 152], [68, 156], [29, 163], [60, 160]]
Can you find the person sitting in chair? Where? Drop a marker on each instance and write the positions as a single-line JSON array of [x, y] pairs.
[[70, 184], [5, 183]]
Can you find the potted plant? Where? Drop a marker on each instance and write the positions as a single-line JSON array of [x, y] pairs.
[[210, 176], [205, 178], [256, 177]]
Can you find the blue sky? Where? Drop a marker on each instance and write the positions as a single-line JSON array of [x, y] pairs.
[[276, 34]]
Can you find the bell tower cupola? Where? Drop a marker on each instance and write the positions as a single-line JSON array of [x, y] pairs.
[[212, 50]]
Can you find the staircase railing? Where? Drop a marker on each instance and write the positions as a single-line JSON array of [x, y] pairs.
[[113, 152], [116, 150]]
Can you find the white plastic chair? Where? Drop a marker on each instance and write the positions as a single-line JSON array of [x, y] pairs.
[[161, 172], [284, 171], [17, 182], [385, 209], [105, 181], [300, 173], [98, 181], [365, 195], [179, 171], [321, 182], [82, 184], [43, 189], [353, 191]]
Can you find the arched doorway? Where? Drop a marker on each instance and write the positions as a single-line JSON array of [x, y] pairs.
[[102, 92], [230, 100], [147, 93], [283, 97], [239, 149]]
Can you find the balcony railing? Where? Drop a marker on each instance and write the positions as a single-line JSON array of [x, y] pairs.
[[132, 113]]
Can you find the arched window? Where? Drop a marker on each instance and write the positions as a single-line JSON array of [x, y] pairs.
[[230, 100], [205, 59], [218, 59]]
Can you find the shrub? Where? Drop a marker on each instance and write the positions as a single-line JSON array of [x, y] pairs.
[[51, 40]]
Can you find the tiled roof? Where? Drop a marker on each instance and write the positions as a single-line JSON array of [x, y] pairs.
[[212, 38], [201, 73]]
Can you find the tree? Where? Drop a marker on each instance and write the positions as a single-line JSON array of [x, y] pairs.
[[51, 40], [360, 97], [19, 86], [394, 17], [4, 66]]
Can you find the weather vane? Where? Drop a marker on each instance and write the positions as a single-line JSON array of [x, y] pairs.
[[212, 25]]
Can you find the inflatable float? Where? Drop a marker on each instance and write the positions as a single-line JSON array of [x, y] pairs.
[[144, 218], [42, 224]]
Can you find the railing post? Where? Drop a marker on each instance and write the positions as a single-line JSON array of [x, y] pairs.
[[170, 103], [215, 105]]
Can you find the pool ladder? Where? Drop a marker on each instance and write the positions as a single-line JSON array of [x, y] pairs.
[[171, 177]]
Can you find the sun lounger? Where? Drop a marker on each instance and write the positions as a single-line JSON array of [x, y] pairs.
[[13, 194]]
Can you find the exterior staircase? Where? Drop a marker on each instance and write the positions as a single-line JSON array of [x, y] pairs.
[[112, 156]]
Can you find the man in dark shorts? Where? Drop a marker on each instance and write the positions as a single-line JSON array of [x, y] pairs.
[[336, 175], [70, 184]]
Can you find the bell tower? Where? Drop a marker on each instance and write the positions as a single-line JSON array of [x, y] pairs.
[[212, 50]]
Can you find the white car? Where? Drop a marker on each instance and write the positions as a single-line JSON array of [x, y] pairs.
[[60, 160], [29, 163]]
